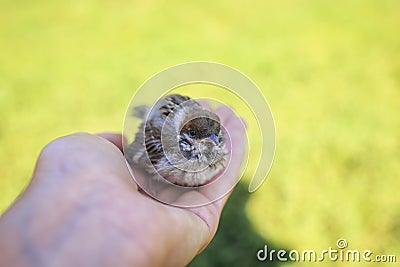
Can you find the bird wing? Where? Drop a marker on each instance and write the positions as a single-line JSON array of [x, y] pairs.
[[148, 137], [169, 103]]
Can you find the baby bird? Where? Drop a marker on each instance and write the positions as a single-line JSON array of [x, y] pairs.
[[180, 140]]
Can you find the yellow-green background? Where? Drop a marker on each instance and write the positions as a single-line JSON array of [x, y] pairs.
[[329, 69]]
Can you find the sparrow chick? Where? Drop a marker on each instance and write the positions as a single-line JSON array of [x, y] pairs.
[[180, 140]]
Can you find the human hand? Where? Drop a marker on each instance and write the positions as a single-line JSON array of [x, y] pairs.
[[83, 208]]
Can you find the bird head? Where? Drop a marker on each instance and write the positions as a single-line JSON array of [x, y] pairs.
[[200, 138]]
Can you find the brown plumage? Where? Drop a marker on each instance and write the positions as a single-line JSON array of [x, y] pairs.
[[180, 140]]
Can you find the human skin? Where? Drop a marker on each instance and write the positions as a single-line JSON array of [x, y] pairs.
[[82, 208]]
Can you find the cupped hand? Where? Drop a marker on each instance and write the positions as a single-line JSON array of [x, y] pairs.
[[82, 208]]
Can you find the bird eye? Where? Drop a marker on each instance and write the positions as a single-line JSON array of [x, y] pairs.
[[192, 133]]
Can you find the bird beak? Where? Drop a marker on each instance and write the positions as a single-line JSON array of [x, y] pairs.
[[214, 139]]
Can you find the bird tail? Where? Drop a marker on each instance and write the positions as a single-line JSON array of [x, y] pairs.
[[140, 111]]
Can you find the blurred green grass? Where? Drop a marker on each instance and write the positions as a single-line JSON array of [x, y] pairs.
[[330, 71]]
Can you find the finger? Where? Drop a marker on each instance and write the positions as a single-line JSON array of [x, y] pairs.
[[205, 104], [224, 113], [209, 217], [115, 138], [210, 214], [235, 143], [78, 153]]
